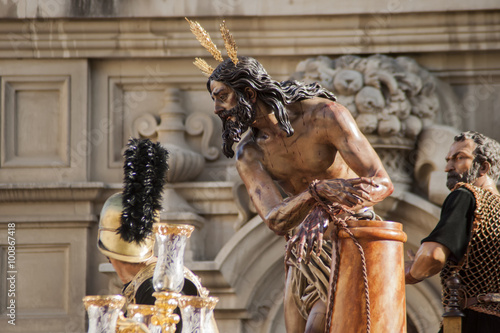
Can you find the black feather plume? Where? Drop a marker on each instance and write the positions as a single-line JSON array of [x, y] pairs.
[[145, 170]]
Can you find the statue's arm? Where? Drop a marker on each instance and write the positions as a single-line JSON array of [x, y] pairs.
[[342, 131], [278, 214], [429, 260]]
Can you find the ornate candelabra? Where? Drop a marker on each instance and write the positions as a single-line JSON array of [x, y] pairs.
[[139, 319], [197, 313], [105, 314]]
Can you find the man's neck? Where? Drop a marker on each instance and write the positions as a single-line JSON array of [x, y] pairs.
[[486, 183], [265, 120], [128, 272]]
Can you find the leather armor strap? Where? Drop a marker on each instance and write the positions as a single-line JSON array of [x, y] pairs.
[[144, 274], [483, 298]]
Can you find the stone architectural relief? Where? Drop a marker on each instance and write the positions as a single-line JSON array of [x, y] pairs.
[[129, 109], [145, 125], [201, 123], [390, 97], [429, 168], [184, 163]]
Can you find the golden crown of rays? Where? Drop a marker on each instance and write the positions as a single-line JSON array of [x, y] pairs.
[[204, 38]]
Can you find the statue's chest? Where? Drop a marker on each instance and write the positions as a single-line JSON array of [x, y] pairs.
[[287, 158]]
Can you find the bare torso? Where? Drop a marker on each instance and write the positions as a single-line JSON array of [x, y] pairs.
[[326, 146], [294, 162]]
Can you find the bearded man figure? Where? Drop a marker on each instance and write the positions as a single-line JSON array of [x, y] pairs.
[[298, 135], [466, 241]]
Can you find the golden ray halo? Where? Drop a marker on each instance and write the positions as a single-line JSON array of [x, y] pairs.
[[204, 38]]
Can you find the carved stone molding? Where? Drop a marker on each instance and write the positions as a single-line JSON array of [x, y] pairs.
[[43, 111], [51, 192], [209, 198], [50, 96], [159, 8], [380, 31]]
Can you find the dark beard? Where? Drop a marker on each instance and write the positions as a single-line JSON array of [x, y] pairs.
[[468, 177], [232, 130]]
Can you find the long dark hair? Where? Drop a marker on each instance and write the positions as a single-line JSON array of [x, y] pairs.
[[250, 73]]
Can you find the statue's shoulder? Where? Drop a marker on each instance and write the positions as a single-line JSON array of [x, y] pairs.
[[318, 109], [247, 149]]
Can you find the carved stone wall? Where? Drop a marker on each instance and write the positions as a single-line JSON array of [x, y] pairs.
[[38, 95], [79, 77]]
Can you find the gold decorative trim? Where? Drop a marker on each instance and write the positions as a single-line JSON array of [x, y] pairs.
[[204, 38], [165, 304], [113, 301], [175, 229], [198, 302], [195, 279], [165, 296], [143, 309], [137, 281]]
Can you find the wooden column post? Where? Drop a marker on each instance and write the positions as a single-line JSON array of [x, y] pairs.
[[382, 242]]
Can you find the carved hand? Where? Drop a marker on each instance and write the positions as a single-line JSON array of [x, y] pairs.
[[409, 279], [349, 193], [309, 232]]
